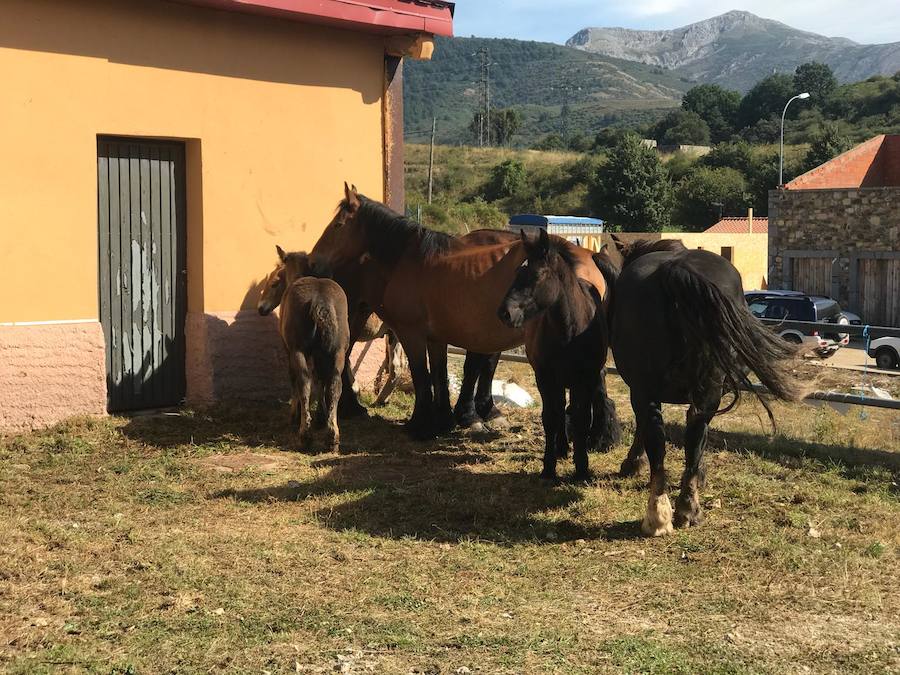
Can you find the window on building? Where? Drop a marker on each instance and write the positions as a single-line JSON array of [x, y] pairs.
[[728, 253]]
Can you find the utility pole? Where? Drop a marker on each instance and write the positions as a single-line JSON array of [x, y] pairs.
[[484, 116], [431, 157]]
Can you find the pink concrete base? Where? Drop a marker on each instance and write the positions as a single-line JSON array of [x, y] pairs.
[[49, 372], [239, 356]]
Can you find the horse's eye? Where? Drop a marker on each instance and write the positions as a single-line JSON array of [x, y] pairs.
[[525, 264]]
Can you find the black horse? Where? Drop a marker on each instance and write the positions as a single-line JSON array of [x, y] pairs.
[[682, 333], [566, 339]]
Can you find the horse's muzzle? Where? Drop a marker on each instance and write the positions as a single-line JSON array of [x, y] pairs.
[[514, 318]]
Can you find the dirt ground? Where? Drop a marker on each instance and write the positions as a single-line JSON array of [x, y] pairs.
[[206, 541]]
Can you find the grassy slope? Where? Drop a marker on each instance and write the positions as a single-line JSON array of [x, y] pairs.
[[537, 78], [128, 548]]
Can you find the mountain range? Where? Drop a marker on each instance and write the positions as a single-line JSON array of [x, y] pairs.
[[608, 76], [737, 49]]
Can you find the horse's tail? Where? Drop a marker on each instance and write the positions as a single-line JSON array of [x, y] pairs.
[[610, 275], [721, 327]]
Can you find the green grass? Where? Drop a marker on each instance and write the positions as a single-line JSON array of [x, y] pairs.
[[204, 541]]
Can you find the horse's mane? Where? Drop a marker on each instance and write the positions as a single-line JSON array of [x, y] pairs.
[[563, 250], [635, 249], [388, 233]]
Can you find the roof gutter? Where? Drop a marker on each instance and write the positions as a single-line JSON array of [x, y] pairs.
[[388, 17]]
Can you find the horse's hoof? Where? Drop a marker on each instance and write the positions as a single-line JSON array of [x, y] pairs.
[[467, 421], [631, 467], [490, 415], [419, 432], [582, 476], [549, 476], [499, 422], [687, 515], [658, 518], [350, 410]]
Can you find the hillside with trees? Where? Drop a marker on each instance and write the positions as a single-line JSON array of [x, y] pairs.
[[613, 175]]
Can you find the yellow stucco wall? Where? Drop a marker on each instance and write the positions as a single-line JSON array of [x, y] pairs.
[[750, 251], [276, 114]]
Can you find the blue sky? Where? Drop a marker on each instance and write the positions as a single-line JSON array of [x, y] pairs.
[[867, 21]]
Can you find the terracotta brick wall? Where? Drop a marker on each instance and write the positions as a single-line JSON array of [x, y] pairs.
[[240, 356], [50, 372], [856, 167]]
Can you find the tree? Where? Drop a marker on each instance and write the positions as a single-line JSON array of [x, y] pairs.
[[632, 190], [717, 107], [766, 99], [550, 142], [507, 179], [681, 127], [504, 125], [736, 155], [817, 79], [701, 194], [827, 144], [608, 137]]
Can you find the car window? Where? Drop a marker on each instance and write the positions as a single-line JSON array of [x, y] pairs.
[[758, 308], [776, 310]]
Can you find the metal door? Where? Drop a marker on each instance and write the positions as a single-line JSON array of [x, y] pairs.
[[141, 212]]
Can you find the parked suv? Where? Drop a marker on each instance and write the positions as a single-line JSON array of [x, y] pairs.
[[796, 306]]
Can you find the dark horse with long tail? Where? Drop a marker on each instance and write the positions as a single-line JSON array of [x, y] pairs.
[[566, 339], [432, 290], [682, 333]]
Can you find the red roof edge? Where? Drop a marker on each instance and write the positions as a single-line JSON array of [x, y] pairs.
[[391, 17]]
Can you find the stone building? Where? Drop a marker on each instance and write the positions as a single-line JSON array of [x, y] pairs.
[[835, 231]]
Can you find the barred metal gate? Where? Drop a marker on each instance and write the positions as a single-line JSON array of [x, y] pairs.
[[141, 211]]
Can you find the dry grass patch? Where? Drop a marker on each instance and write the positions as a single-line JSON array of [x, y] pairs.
[[203, 541]]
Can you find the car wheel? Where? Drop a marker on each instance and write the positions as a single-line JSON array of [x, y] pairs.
[[793, 339], [886, 358]]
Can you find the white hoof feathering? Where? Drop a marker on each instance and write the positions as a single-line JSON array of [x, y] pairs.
[[658, 519]]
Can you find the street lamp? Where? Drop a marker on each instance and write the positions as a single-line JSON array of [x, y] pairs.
[[805, 94]]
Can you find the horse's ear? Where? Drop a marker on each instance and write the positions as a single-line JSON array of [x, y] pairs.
[[620, 245], [281, 254], [523, 236], [544, 241], [352, 197]]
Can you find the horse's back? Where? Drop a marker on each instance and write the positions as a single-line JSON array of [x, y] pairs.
[[314, 316], [646, 339]]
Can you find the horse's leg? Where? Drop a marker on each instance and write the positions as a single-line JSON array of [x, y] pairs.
[[687, 506], [465, 411], [636, 459], [553, 417], [606, 431], [304, 389], [390, 368], [295, 390], [421, 424], [658, 519], [349, 405], [331, 388], [443, 413], [321, 417], [484, 396], [581, 397]]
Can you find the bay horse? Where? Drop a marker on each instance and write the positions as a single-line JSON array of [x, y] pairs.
[[566, 340], [363, 280], [682, 333], [433, 290], [315, 331]]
